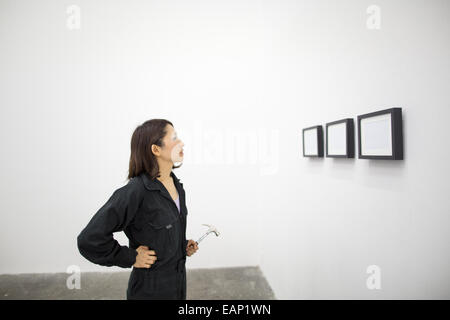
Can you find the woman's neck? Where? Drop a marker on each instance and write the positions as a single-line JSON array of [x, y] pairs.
[[164, 171]]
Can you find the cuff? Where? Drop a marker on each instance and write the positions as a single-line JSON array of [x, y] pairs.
[[130, 257], [185, 242]]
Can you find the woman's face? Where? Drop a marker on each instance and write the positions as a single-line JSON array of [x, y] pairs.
[[172, 150]]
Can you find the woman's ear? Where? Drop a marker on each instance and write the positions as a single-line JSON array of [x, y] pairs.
[[156, 150]]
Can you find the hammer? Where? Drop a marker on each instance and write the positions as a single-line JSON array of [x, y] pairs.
[[210, 229]]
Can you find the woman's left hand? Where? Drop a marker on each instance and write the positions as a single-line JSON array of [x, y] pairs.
[[191, 247]]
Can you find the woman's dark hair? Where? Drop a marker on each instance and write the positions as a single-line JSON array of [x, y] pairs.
[[142, 158]]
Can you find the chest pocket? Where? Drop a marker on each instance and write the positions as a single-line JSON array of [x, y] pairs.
[[162, 231]]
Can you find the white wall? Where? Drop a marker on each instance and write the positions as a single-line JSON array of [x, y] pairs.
[[340, 216], [262, 70]]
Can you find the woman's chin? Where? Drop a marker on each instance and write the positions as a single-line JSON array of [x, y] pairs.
[[178, 159]]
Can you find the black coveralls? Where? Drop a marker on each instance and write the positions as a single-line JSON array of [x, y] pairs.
[[146, 212]]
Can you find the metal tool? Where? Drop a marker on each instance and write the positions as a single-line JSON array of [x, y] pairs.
[[211, 229]]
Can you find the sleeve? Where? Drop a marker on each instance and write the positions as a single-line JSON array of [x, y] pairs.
[[96, 242]]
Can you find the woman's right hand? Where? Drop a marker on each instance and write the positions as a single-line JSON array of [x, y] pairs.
[[145, 257]]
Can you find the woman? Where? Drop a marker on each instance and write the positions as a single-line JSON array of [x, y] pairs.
[[151, 210]]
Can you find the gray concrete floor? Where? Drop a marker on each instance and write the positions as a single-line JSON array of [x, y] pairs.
[[220, 283]]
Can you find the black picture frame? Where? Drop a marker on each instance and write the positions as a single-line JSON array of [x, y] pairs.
[[319, 141], [349, 139], [396, 132]]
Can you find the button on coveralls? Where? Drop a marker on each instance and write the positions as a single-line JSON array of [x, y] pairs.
[[148, 215]]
